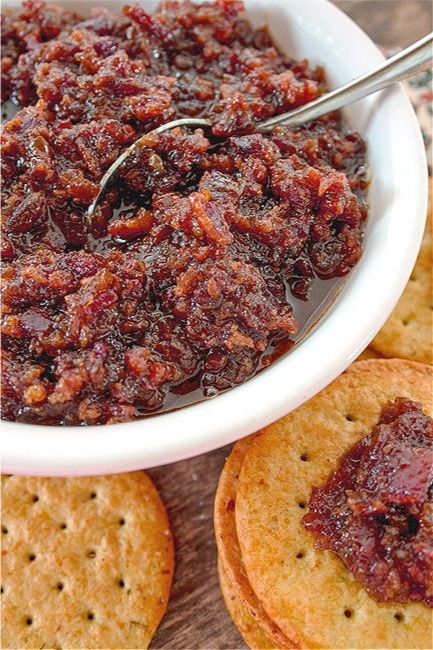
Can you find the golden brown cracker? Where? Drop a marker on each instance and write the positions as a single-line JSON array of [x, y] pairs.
[[228, 546], [408, 331], [87, 562], [309, 593], [252, 634]]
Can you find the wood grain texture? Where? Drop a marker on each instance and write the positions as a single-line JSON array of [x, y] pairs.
[[197, 618]]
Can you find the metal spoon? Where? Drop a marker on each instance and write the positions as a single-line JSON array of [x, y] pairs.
[[409, 61]]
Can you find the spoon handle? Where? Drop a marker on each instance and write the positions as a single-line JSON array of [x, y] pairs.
[[409, 61]]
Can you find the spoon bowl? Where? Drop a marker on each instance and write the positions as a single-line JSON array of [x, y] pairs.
[[412, 59], [317, 30]]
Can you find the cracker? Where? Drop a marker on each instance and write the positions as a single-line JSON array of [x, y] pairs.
[[309, 593], [228, 546], [87, 562], [252, 634], [408, 331]]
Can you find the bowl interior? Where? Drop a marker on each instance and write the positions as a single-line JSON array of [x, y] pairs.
[[316, 30]]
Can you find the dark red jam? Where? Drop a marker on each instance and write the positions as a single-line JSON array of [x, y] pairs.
[[209, 255], [376, 509]]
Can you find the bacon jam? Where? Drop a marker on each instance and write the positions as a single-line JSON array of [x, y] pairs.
[[212, 251], [376, 510]]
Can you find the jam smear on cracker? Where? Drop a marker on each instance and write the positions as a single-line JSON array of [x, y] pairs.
[[376, 512]]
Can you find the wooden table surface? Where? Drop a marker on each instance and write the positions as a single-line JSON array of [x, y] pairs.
[[196, 617]]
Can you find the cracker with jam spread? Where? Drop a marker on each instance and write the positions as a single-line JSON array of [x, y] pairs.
[[293, 562]]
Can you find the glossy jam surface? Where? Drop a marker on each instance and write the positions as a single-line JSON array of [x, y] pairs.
[[376, 509], [211, 252]]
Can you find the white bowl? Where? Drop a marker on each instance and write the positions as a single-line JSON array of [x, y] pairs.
[[398, 194]]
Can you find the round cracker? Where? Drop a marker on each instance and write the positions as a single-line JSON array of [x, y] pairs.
[[252, 634], [87, 562], [408, 331], [228, 545], [309, 593]]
